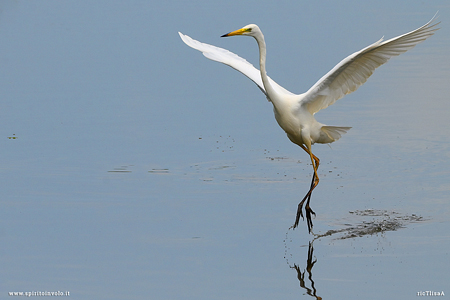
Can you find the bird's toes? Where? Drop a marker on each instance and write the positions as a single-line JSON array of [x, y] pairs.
[[301, 215], [309, 211], [310, 225]]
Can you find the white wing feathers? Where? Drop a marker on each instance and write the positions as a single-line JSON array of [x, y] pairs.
[[355, 69], [346, 77], [229, 58]]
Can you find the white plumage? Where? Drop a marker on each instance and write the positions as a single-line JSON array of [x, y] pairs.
[[295, 113]]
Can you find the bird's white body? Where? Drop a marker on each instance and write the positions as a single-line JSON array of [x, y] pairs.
[[298, 123], [295, 113]]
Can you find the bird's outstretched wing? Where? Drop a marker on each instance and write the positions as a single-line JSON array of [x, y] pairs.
[[355, 69], [236, 62]]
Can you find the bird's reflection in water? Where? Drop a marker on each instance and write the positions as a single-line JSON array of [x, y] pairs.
[[301, 275], [363, 223]]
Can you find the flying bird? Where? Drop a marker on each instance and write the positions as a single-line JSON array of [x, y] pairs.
[[295, 113]]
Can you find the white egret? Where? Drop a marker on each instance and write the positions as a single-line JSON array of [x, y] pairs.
[[295, 113]]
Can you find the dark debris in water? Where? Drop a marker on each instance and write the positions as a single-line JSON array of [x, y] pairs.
[[381, 222], [277, 157]]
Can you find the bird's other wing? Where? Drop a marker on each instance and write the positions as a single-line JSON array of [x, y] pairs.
[[236, 62], [355, 69]]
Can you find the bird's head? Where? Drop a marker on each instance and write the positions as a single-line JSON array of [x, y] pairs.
[[250, 30]]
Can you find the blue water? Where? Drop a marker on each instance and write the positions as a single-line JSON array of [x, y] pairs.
[[134, 168]]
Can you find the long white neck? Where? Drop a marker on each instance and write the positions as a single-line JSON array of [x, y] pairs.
[[262, 66]]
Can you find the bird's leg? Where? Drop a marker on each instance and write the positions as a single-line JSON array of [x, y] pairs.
[[314, 182], [300, 205]]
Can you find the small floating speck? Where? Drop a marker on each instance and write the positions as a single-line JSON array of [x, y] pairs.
[[277, 157], [122, 169], [159, 171], [221, 168]]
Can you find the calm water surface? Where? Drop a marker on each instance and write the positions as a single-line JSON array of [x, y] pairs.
[[133, 168]]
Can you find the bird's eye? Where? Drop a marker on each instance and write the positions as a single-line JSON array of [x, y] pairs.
[[247, 30]]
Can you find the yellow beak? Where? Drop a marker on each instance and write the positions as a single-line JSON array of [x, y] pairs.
[[237, 32]]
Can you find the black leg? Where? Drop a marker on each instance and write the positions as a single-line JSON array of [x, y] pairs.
[[307, 198], [308, 212], [300, 205]]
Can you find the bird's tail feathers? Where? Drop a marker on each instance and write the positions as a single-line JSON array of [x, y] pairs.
[[334, 132]]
